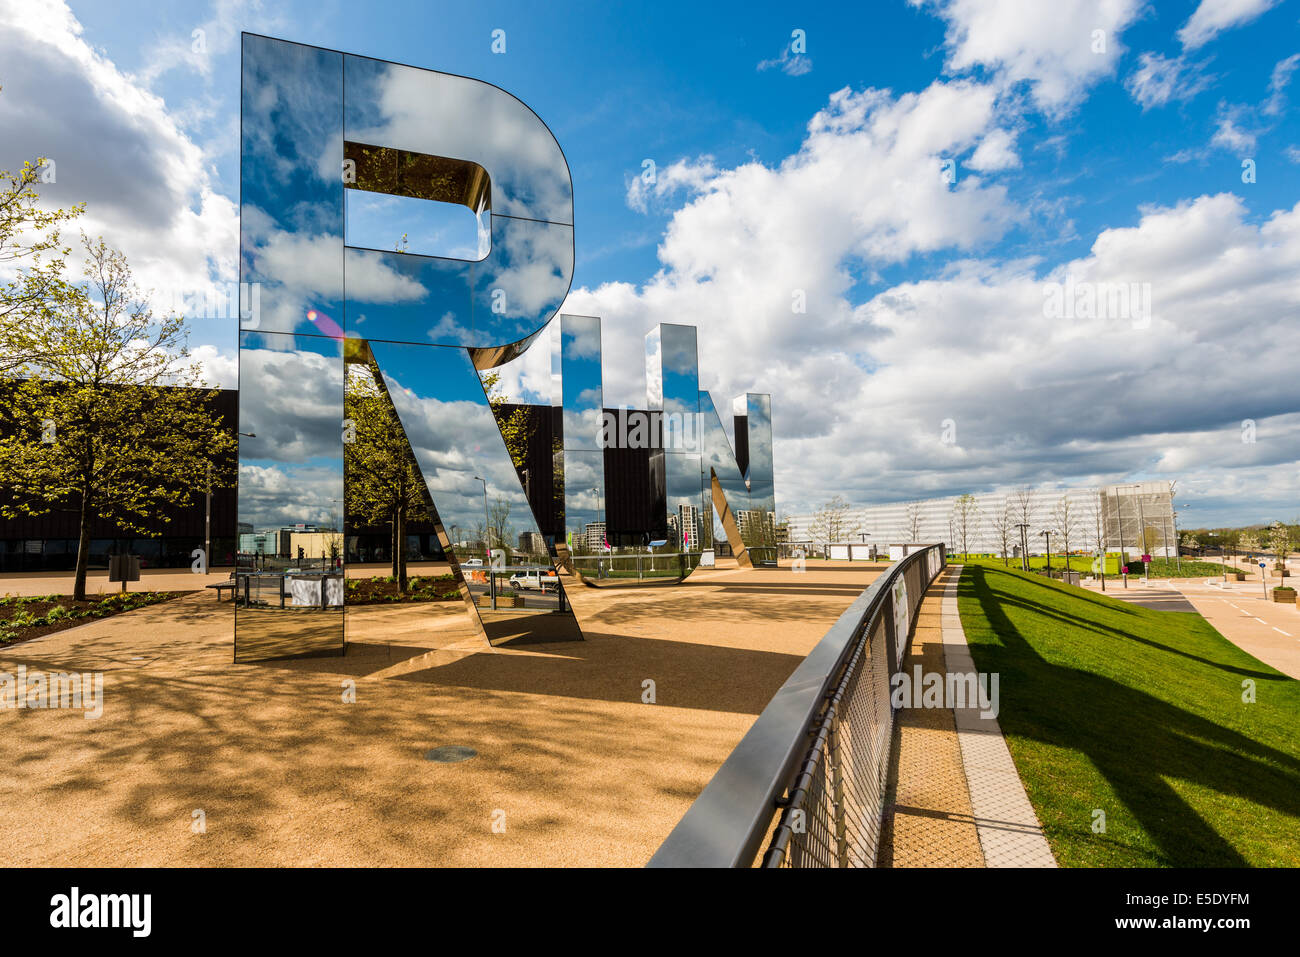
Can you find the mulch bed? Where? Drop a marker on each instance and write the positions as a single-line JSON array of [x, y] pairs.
[[25, 618]]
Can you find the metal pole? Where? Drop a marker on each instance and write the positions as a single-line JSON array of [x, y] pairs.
[[1142, 536], [207, 525], [487, 545], [1119, 521]]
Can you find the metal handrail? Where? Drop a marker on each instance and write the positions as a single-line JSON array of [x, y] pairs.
[[733, 816]]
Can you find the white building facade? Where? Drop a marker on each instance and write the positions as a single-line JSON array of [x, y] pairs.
[[1133, 517]]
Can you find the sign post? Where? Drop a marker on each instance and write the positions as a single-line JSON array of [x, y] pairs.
[[1263, 577]]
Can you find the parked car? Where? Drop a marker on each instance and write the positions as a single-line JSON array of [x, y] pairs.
[[472, 563], [536, 579]]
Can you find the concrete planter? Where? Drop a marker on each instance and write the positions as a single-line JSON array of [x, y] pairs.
[[485, 601], [1237, 576]]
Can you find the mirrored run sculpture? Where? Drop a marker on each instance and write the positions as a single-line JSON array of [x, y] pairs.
[[333, 147], [374, 464]]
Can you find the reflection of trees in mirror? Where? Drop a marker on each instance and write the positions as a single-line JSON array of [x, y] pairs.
[[514, 427], [502, 532], [113, 423], [382, 485]]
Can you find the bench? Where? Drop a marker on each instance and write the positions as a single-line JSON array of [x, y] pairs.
[[230, 583]]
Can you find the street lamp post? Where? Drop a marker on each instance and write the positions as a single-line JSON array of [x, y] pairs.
[[487, 544], [1119, 512], [1142, 537], [1024, 546], [1178, 551], [1047, 535]]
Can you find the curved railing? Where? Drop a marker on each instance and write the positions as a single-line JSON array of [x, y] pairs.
[[809, 777]]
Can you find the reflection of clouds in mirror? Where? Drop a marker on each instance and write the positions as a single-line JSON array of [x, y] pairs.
[[418, 226], [654, 385], [532, 263], [679, 351], [290, 121], [582, 428], [581, 337], [454, 441], [444, 115], [313, 264], [290, 399], [584, 490], [271, 497], [448, 330]]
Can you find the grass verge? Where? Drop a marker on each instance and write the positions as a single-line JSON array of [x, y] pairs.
[[1138, 714], [1160, 567]]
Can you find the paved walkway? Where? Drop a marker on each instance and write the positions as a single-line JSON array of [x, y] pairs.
[[955, 798], [929, 821], [573, 767], [1238, 610]]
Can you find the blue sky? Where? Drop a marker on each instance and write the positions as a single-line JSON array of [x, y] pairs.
[[621, 86], [781, 171]]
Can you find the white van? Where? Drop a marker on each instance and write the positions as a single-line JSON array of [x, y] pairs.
[[535, 579]]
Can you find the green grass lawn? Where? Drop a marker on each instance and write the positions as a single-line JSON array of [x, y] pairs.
[[1190, 568], [1137, 713]]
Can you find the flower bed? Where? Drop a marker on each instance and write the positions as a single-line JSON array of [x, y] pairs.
[[25, 617]]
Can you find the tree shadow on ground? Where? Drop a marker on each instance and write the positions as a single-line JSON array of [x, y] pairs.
[[1135, 740]]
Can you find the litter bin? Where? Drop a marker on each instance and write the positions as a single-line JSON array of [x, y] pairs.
[[124, 568]]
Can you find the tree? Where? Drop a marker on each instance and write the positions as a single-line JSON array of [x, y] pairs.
[[1023, 511], [383, 484], [1098, 530], [515, 426], [965, 520], [499, 527], [30, 252], [1004, 527], [1065, 524], [912, 517], [1279, 539], [834, 522], [114, 423], [1249, 543]]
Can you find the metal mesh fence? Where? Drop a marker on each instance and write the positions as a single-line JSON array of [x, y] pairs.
[[831, 815]]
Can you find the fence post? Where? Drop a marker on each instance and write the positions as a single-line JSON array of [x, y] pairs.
[[837, 789]]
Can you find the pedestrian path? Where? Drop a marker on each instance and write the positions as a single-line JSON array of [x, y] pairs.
[[954, 798], [1009, 832]]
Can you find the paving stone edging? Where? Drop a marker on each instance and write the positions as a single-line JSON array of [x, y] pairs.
[[1009, 832]]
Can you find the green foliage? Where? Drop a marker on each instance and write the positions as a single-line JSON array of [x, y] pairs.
[[30, 250], [112, 425], [514, 427], [12, 628], [383, 484]]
